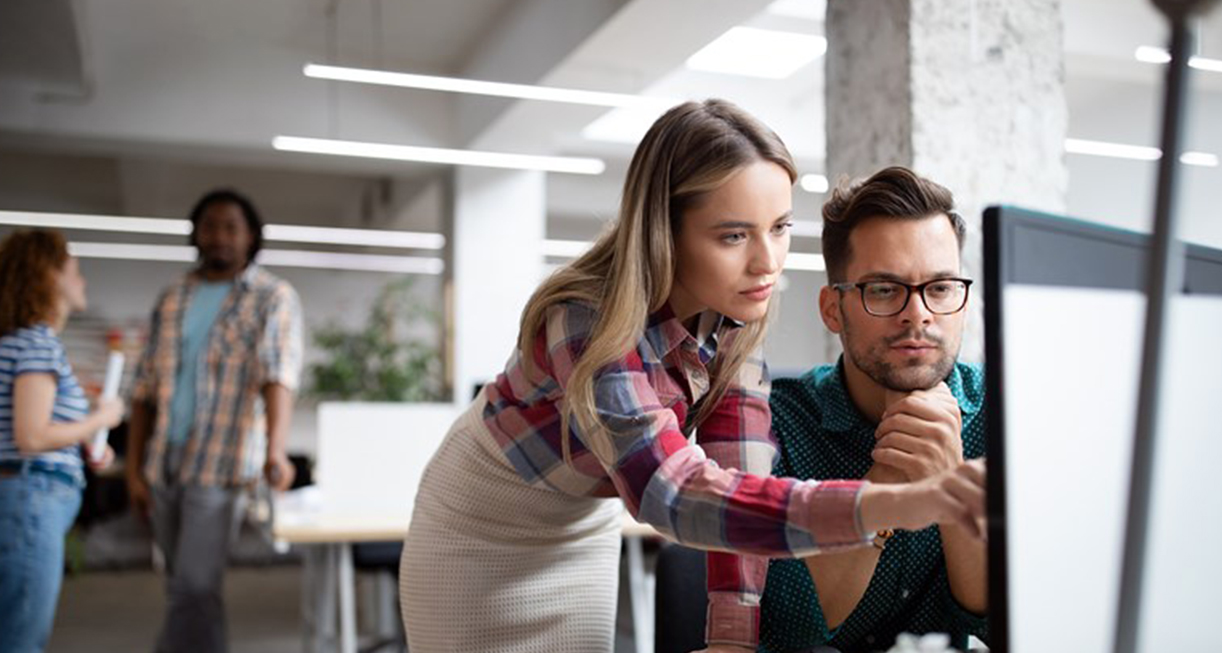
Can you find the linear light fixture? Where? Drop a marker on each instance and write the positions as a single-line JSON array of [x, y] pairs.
[[755, 52], [271, 257], [813, 183], [1152, 54], [480, 87], [442, 155], [804, 9], [271, 232], [1136, 152]]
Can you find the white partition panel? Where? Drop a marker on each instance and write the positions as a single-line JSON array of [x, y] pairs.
[[371, 455]]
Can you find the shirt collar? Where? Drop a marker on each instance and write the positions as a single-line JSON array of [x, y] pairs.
[[244, 280], [665, 332], [839, 412]]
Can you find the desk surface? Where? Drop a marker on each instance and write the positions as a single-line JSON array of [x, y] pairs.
[[300, 527]]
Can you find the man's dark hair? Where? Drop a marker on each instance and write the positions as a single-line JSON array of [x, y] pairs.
[[892, 193], [230, 196]]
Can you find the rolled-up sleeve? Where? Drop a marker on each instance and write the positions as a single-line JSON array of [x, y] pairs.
[[673, 486], [144, 383], [737, 435]]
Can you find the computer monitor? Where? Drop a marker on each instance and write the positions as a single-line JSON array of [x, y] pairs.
[[1064, 317]]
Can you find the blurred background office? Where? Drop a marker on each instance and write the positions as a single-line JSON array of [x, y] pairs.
[[390, 184]]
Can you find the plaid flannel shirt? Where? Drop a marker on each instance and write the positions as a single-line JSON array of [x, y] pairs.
[[715, 495], [256, 340]]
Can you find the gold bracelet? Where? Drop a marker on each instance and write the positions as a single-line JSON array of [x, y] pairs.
[[881, 537]]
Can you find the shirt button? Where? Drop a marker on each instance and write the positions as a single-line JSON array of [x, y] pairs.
[[904, 594]]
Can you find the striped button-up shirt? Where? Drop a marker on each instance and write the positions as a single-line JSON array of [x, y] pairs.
[[715, 495], [256, 340]]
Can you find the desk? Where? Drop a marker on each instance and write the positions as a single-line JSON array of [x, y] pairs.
[[328, 540]]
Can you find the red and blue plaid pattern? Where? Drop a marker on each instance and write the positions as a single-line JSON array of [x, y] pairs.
[[714, 495]]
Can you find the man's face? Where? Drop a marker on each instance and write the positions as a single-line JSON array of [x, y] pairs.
[[223, 237], [914, 349]]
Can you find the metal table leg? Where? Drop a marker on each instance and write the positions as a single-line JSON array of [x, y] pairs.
[[642, 598]]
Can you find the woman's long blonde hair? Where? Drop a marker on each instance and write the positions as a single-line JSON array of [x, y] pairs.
[[691, 150]]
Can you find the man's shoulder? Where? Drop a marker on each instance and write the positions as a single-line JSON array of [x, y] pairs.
[[795, 399], [267, 286]]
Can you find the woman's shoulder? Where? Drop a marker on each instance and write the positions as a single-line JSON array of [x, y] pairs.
[[38, 336], [570, 318]]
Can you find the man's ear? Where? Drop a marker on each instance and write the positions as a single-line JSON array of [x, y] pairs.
[[829, 309]]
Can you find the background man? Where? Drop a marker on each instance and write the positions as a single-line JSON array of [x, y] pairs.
[[224, 351]]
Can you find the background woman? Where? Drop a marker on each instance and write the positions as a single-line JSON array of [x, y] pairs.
[[651, 336], [44, 421]]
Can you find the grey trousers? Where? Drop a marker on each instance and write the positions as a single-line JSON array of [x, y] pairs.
[[195, 526]]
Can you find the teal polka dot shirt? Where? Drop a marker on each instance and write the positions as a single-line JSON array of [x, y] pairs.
[[822, 435]]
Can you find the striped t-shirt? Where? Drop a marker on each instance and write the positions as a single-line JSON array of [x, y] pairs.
[[37, 349]]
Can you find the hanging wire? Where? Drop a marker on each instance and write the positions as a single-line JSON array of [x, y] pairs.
[[376, 16], [332, 15]]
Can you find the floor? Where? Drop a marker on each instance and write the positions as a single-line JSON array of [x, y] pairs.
[[120, 611]]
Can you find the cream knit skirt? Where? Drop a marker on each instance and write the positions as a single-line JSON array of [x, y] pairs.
[[492, 564]]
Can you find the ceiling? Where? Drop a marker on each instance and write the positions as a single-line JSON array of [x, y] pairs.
[[211, 83]]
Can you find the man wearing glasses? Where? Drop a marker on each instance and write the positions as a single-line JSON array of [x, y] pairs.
[[897, 406]]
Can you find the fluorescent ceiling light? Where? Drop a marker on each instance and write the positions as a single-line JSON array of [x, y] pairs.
[[132, 251], [1152, 54], [813, 183], [805, 9], [756, 52], [1117, 150], [1136, 152], [166, 226], [340, 236], [345, 261], [1200, 159], [479, 87], [271, 232], [442, 155], [271, 257]]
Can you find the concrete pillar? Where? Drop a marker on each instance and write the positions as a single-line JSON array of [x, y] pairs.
[[499, 226], [970, 93]]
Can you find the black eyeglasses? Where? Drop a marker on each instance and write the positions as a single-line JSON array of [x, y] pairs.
[[888, 298]]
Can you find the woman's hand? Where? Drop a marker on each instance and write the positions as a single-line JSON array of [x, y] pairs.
[[109, 413], [106, 460], [952, 497]]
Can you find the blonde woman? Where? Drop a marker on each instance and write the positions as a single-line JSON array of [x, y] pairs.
[[650, 337], [44, 421]]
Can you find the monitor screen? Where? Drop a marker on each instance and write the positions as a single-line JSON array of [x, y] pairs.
[[1064, 322]]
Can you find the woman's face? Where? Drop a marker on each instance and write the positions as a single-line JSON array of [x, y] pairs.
[[731, 245], [72, 286]]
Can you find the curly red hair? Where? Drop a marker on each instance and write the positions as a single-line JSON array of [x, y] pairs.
[[29, 261]]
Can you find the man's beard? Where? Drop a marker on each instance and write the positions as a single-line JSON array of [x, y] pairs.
[[871, 360], [216, 263]]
